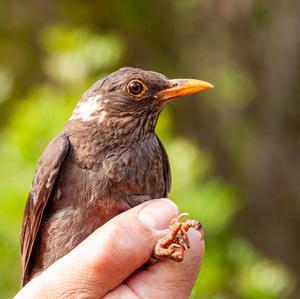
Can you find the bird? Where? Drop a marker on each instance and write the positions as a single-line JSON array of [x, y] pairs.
[[106, 160]]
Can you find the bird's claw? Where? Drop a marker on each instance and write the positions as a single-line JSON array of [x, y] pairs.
[[176, 242]]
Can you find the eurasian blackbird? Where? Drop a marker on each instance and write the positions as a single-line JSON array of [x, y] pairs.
[[107, 160]]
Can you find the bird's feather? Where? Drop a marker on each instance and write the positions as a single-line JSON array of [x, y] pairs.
[[42, 185], [166, 168]]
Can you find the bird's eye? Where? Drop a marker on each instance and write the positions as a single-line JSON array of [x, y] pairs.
[[136, 88]]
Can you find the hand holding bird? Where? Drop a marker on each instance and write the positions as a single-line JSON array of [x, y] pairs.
[[110, 262]]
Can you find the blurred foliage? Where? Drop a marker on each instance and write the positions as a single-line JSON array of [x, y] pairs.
[[234, 153]]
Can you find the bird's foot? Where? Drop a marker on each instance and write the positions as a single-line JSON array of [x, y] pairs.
[[176, 242]]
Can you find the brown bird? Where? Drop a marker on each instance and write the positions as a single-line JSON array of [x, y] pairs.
[[107, 159]]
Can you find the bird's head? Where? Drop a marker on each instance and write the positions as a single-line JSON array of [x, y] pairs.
[[131, 98]]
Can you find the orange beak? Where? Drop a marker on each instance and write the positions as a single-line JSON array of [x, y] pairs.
[[183, 87]]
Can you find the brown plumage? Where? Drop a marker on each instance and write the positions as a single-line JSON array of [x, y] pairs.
[[107, 160]]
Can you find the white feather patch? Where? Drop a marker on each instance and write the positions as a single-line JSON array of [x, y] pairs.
[[90, 109]]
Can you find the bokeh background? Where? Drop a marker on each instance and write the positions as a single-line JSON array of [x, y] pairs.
[[234, 150]]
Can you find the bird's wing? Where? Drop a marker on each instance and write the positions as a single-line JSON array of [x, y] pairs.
[[42, 185], [166, 169]]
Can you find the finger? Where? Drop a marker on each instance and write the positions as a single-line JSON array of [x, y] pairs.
[[167, 279], [108, 256]]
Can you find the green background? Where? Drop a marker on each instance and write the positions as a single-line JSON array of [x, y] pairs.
[[234, 150]]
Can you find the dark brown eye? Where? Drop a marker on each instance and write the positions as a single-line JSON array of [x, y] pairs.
[[136, 88]]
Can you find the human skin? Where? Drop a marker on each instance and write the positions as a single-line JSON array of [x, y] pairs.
[[108, 264]]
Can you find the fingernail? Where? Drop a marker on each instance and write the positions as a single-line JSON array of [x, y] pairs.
[[158, 214]]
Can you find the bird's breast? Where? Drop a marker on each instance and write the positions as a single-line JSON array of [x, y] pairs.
[[135, 170]]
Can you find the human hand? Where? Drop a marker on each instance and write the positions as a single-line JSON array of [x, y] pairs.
[[108, 263]]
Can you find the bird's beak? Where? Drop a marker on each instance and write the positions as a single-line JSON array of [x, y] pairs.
[[182, 87]]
